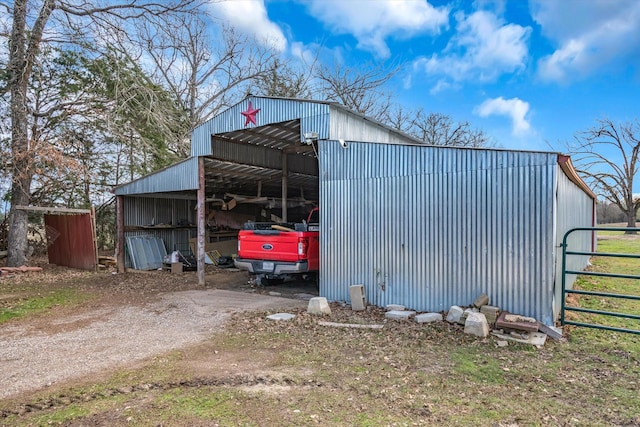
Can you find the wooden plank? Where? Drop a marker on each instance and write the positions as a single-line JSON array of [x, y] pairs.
[[201, 221], [285, 186], [349, 325], [21, 269], [120, 234], [94, 235], [52, 209]]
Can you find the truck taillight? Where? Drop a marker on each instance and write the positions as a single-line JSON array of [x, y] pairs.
[[302, 247], [238, 245]]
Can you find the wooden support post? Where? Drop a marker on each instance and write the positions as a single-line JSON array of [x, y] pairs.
[[201, 220], [120, 233], [285, 173], [94, 236]]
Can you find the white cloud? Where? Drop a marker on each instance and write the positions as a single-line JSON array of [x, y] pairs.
[[305, 53], [483, 49], [372, 22], [514, 108], [599, 34], [250, 16]]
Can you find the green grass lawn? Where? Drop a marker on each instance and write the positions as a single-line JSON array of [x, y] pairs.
[[263, 373], [42, 303], [620, 244]]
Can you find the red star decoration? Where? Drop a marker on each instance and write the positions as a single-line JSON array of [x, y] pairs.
[[250, 114]]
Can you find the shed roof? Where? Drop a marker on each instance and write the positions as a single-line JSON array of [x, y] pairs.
[[248, 142]]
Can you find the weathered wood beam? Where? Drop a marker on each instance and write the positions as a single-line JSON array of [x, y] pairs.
[[53, 209], [201, 221]]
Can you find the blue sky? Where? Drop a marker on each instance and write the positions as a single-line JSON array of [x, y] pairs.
[[530, 74]]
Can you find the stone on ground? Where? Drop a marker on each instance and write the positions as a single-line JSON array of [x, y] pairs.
[[318, 305], [476, 324], [395, 307], [490, 312], [281, 316], [358, 298], [429, 317], [483, 299], [453, 316], [463, 318], [399, 314]]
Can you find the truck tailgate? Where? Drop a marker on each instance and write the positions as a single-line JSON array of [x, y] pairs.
[[268, 245]]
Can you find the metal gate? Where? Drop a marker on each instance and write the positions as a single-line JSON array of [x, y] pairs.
[[566, 252]]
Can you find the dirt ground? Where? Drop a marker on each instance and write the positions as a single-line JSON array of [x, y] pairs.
[[129, 318]]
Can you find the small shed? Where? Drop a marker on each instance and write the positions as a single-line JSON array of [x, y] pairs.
[[423, 226]]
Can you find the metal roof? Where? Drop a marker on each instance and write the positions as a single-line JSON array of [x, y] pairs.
[[247, 145]]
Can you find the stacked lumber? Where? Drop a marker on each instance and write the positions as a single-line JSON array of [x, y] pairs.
[[21, 269], [10, 271]]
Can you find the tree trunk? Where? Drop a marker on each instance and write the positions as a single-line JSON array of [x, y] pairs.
[[631, 221], [21, 58], [20, 183]]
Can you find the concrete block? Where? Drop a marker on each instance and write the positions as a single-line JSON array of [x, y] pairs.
[[429, 317], [490, 312], [453, 316], [477, 325], [281, 316], [551, 331], [358, 298], [396, 307], [399, 314], [176, 267], [483, 299], [465, 313], [534, 338], [318, 305]]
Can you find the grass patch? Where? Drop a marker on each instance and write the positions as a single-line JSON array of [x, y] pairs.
[[221, 406], [477, 369], [261, 373], [619, 286], [41, 303]]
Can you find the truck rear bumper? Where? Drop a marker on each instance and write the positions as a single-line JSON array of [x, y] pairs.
[[271, 267]]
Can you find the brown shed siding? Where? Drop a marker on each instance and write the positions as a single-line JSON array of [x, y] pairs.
[[71, 240]]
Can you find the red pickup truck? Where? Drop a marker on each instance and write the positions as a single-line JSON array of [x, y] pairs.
[[274, 252]]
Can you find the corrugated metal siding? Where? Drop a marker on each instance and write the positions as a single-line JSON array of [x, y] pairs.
[[179, 177], [71, 240], [169, 214], [352, 127], [314, 117], [575, 209], [430, 227], [246, 154]]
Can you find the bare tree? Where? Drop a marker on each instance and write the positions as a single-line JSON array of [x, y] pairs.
[[358, 89], [440, 129], [437, 128], [607, 157], [69, 22], [286, 81], [400, 119], [203, 74]]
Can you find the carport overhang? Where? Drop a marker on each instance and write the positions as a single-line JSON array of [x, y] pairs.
[[273, 165]]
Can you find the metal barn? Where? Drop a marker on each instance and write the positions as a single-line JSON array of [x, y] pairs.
[[422, 226]]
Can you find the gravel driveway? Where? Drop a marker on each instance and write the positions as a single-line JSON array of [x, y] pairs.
[[108, 337]]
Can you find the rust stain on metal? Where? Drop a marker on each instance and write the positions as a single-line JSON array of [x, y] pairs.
[[74, 244]]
